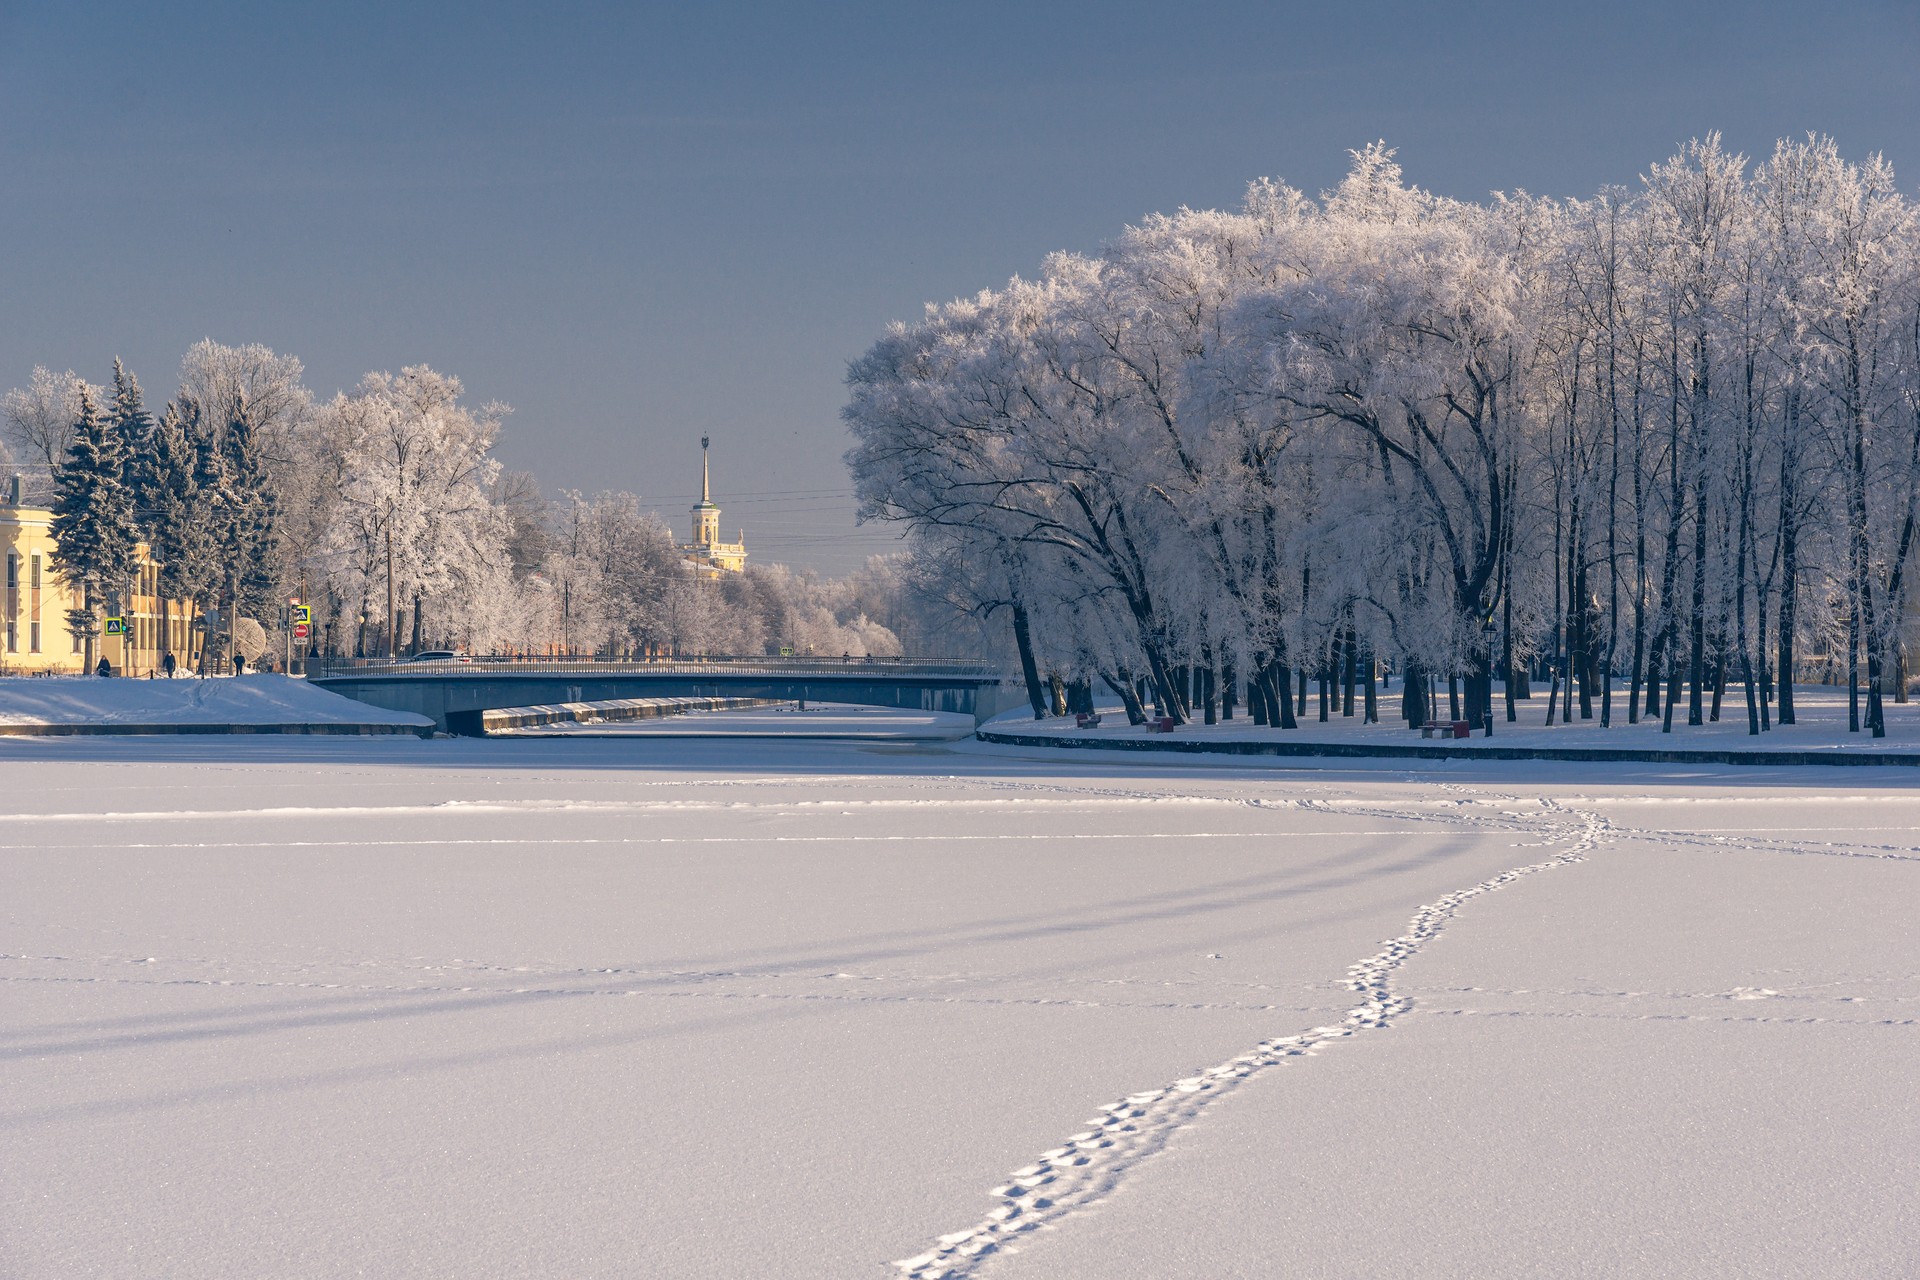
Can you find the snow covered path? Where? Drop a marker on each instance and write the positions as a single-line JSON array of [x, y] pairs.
[[709, 1008]]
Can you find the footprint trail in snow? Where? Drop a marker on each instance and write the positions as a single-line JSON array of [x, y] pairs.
[[1088, 1166]]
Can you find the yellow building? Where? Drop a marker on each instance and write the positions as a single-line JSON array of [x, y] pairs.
[[710, 556], [34, 607]]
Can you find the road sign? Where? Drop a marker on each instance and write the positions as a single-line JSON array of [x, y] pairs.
[[302, 615], [116, 626], [786, 651], [300, 630]]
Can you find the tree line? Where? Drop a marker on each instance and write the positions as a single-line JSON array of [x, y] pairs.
[[385, 510], [1645, 447]]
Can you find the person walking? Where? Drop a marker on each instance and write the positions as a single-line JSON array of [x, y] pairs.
[[105, 668], [167, 664]]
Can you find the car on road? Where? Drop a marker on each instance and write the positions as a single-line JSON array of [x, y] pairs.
[[440, 655]]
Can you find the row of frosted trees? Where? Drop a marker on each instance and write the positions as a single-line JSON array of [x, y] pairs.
[[1645, 448], [385, 510]]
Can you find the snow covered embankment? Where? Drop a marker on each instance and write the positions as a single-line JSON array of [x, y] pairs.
[[1087, 1167], [1820, 736], [228, 704]]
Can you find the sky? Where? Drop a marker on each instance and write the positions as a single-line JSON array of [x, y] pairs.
[[638, 224]]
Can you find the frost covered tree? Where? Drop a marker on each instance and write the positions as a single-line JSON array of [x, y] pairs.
[[38, 418], [174, 517], [96, 537], [413, 518], [1661, 440], [615, 567], [132, 427], [246, 517]]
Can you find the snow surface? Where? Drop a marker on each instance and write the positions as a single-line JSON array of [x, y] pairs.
[[1820, 713], [672, 1007], [819, 720], [251, 700]]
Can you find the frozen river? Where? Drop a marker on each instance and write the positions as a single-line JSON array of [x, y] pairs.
[[683, 1008]]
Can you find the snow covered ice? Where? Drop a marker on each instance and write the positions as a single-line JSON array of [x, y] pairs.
[[707, 1008]]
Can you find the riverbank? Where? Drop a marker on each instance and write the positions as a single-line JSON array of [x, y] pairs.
[[1819, 736], [33, 706]]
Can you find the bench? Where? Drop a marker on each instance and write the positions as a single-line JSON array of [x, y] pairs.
[[1086, 720], [1160, 724]]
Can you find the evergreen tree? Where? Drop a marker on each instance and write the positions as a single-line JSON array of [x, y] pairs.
[[175, 521], [93, 520], [250, 528], [133, 428]]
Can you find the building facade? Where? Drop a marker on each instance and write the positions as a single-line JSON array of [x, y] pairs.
[[33, 610], [710, 556]]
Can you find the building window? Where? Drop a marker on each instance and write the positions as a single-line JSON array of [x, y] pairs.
[[33, 604]]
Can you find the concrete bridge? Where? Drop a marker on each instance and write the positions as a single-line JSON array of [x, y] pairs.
[[455, 693]]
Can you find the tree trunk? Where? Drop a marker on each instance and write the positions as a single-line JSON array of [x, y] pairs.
[[1350, 656], [1413, 696], [1029, 668], [1853, 664], [1697, 623], [393, 618], [1122, 684], [1584, 629], [1279, 691]]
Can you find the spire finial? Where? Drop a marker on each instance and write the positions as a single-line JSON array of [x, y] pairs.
[[706, 490]]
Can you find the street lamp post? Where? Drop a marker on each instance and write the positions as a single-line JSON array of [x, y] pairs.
[[1489, 711]]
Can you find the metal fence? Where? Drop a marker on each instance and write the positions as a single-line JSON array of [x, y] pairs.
[[907, 668]]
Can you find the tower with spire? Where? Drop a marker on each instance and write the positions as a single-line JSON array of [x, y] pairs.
[[710, 556]]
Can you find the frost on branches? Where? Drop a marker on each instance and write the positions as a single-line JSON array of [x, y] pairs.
[[1641, 448], [385, 510]]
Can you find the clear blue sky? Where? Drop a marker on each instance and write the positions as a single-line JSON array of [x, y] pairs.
[[639, 223]]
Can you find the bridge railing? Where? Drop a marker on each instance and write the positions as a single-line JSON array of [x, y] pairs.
[[902, 667]]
